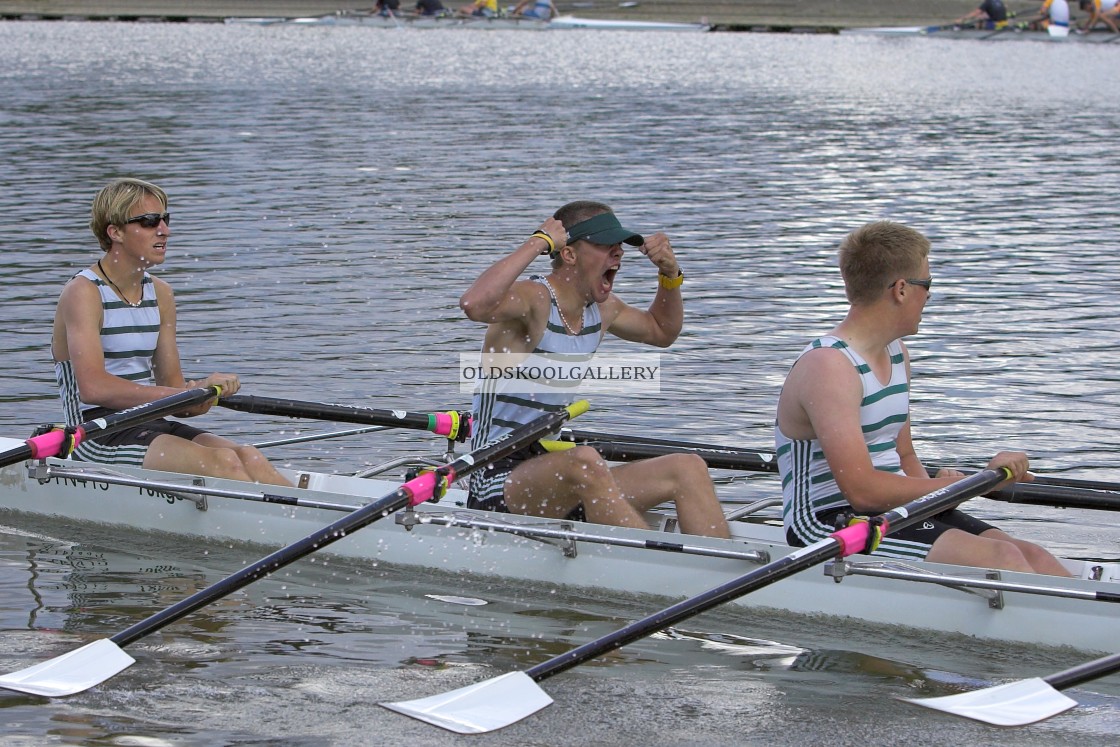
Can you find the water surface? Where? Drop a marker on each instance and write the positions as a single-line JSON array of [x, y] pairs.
[[335, 190]]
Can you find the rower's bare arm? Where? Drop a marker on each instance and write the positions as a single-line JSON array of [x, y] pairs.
[[638, 325], [78, 339], [825, 387], [908, 457], [497, 295], [166, 367], [904, 445], [659, 325]]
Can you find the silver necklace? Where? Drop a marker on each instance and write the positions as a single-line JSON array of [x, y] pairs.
[[564, 319], [119, 291]]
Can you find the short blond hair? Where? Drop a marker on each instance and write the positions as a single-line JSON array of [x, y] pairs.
[[876, 254], [112, 205]]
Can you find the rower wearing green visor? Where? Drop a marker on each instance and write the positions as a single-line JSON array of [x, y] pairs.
[[556, 323]]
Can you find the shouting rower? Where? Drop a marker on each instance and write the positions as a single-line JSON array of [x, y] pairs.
[[564, 316]]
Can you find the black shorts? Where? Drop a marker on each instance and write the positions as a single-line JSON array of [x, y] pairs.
[[145, 433], [500, 471], [926, 531]]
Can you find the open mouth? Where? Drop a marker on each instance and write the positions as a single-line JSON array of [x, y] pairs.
[[608, 276]]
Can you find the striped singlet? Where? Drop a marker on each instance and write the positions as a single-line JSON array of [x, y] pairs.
[[128, 339], [498, 407], [808, 486]]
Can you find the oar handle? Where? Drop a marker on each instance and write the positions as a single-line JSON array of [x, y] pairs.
[[50, 444]]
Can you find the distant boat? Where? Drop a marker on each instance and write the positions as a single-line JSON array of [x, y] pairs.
[[376, 20], [1053, 33]]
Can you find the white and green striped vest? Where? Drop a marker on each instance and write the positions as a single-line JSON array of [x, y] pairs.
[[128, 340], [808, 485], [498, 407]]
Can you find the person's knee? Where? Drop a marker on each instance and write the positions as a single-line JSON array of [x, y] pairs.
[[250, 455], [1009, 555], [226, 462], [586, 465], [1035, 554], [685, 472], [691, 465]]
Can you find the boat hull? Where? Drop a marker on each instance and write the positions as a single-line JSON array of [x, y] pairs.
[[1053, 34], [424, 540], [370, 20]]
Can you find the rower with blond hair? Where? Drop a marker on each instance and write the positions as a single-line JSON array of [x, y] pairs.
[[842, 431], [114, 347]]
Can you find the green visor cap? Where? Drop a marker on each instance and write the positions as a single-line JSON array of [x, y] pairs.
[[605, 230]]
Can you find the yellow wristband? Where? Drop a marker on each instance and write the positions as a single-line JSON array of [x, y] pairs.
[[669, 283], [547, 239]]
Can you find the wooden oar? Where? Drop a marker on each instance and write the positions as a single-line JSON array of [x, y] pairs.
[[454, 425], [1023, 702], [51, 443], [506, 699], [96, 662]]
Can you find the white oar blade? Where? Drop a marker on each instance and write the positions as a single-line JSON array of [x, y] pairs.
[[70, 673], [1014, 704], [479, 708]]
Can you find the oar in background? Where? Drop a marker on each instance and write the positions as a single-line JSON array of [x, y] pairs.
[[454, 425], [621, 449], [1023, 702], [1043, 491], [510, 697], [96, 662], [308, 437], [53, 442]]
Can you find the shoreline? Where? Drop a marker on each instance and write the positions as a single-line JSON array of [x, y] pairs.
[[798, 16]]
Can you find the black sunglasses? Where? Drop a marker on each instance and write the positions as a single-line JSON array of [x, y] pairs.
[[151, 220], [915, 281]]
